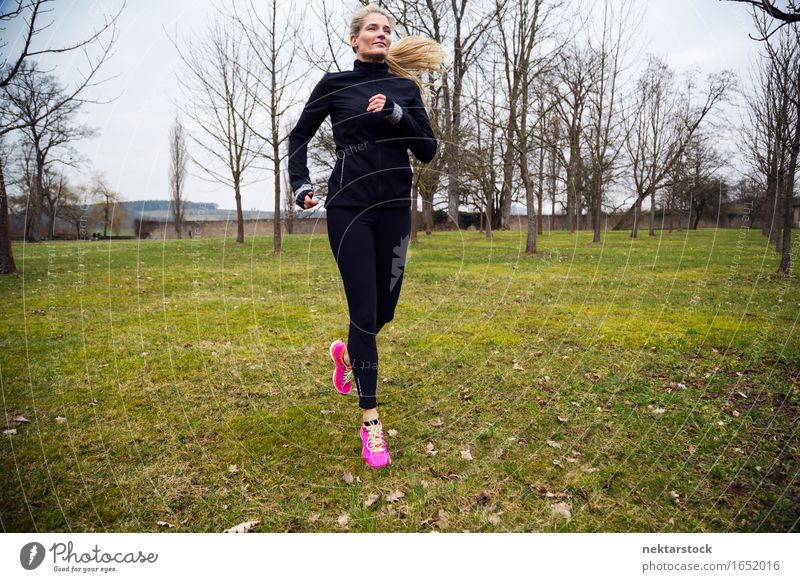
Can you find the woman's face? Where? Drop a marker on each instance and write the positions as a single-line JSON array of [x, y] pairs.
[[372, 42]]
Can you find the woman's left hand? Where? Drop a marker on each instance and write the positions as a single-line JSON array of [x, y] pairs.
[[376, 102]]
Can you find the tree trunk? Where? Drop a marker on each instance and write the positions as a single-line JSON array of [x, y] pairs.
[[788, 211], [277, 245], [239, 215], [636, 213], [7, 265]]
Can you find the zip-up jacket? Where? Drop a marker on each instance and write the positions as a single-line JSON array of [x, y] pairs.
[[372, 164]]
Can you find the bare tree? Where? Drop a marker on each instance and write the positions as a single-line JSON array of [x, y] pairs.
[[271, 42], [522, 67], [108, 209], [462, 28], [7, 265], [790, 13], [783, 63], [31, 13], [178, 156], [605, 131], [220, 84], [47, 127], [575, 80], [659, 127]]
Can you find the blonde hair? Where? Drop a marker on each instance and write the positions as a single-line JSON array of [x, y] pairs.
[[409, 57]]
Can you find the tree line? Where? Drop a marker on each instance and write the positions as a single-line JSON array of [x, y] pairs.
[[546, 103]]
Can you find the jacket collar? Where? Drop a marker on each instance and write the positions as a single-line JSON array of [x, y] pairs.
[[370, 67]]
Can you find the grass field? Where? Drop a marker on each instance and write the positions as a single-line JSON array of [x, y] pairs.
[[645, 385]]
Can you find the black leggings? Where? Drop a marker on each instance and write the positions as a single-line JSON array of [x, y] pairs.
[[370, 247]]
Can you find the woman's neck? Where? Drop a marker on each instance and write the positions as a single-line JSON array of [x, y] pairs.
[[370, 60]]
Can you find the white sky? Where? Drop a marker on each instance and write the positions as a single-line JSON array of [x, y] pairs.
[[131, 148]]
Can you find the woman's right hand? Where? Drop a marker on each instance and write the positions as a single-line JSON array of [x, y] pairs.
[[309, 202]]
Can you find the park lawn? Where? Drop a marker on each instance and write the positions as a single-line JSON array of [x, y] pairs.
[[642, 385]]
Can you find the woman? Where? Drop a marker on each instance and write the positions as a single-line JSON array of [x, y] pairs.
[[377, 115]]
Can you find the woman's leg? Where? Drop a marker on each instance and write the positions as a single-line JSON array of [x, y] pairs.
[[392, 236], [351, 236]]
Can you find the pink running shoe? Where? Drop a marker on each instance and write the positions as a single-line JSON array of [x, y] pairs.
[[342, 373], [373, 445]]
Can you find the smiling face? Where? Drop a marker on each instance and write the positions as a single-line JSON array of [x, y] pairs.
[[374, 38]]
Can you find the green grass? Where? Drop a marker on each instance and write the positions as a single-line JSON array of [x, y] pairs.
[[666, 369]]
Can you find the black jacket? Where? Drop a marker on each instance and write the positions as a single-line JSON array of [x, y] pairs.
[[372, 164]]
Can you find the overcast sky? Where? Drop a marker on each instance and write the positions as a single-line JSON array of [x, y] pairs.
[[131, 148]]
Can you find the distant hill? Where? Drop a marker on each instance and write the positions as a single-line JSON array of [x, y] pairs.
[[161, 210]]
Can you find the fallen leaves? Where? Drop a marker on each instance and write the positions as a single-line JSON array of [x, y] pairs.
[[343, 519], [561, 509], [164, 524], [371, 499], [19, 418], [394, 496], [438, 519], [233, 469], [348, 478], [437, 422], [466, 455], [60, 419], [494, 518], [430, 450], [554, 444], [243, 527]]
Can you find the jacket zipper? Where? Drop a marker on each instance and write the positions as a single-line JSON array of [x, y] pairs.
[[378, 147], [341, 178]]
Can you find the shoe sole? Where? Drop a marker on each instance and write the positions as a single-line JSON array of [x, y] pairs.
[[333, 376]]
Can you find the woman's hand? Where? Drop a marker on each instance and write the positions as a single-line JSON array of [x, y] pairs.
[[376, 102], [309, 202]]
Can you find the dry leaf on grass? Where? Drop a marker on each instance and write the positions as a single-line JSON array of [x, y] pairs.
[[312, 517], [431, 450], [371, 499], [60, 419], [438, 519], [343, 519], [553, 444], [164, 524], [562, 509], [10, 431], [391, 432], [243, 527], [20, 418], [348, 478], [517, 366], [494, 518], [483, 498], [466, 455], [232, 469], [437, 422], [394, 496]]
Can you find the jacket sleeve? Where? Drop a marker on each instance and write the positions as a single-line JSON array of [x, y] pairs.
[[314, 113], [412, 123]]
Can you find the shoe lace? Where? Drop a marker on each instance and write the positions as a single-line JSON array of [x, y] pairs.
[[375, 442], [349, 376]]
